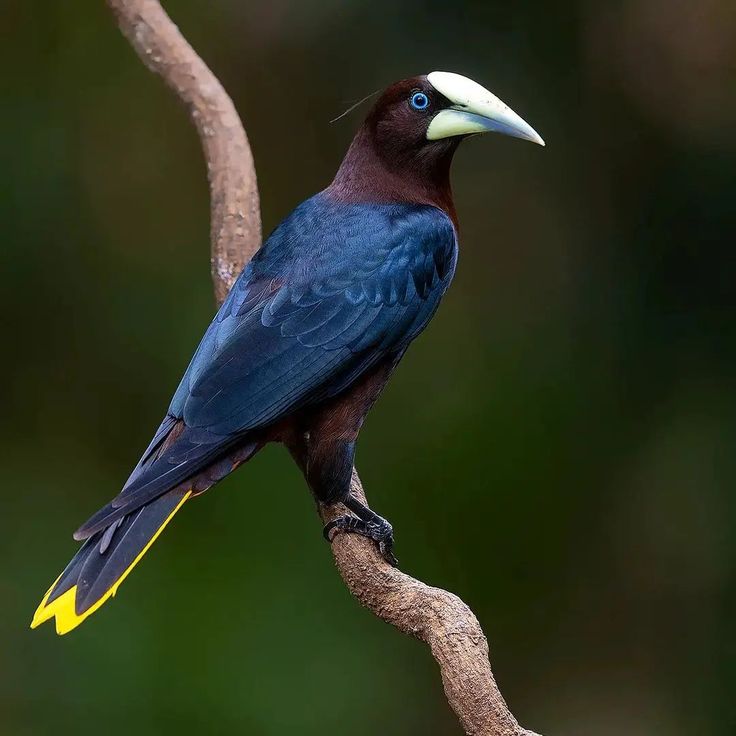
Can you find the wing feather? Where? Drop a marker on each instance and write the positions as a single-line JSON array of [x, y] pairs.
[[334, 289]]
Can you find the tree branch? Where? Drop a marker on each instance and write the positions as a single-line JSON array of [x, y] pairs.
[[235, 215], [436, 617]]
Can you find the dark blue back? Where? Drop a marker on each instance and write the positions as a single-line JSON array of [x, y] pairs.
[[333, 291], [336, 286]]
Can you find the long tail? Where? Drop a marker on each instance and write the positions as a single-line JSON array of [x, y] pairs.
[[104, 561]]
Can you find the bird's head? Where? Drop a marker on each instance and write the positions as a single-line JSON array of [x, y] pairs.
[[441, 108], [411, 133]]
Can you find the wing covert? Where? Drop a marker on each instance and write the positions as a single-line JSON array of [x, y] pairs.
[[366, 283], [335, 289]]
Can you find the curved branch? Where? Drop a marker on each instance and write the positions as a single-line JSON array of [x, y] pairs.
[[432, 615], [235, 215]]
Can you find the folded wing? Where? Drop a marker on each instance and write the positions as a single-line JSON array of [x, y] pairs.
[[334, 290]]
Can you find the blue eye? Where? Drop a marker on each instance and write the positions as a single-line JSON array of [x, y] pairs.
[[419, 101]]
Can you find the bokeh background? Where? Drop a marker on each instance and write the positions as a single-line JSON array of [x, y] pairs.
[[558, 448]]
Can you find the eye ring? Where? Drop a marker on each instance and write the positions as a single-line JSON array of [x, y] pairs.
[[419, 101]]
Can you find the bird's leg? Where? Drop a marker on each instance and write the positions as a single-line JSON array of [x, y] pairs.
[[366, 523], [327, 464], [324, 448]]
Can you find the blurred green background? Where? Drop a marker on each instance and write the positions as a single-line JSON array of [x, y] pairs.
[[558, 448]]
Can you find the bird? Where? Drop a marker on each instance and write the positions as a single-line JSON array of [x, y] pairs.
[[308, 336]]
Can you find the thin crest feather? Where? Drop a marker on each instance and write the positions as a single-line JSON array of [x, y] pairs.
[[354, 105]]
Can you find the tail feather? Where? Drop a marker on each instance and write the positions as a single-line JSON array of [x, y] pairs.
[[104, 561]]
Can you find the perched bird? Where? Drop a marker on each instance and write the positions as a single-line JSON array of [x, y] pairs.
[[308, 336]]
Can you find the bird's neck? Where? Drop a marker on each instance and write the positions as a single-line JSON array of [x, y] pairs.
[[374, 173]]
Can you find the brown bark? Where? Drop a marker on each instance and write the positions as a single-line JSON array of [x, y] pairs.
[[436, 617], [235, 215]]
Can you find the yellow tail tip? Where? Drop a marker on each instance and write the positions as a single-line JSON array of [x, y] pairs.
[[63, 608]]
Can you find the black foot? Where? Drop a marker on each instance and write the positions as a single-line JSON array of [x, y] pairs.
[[375, 528]]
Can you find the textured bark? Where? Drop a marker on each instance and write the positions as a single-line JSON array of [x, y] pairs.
[[235, 215], [436, 617]]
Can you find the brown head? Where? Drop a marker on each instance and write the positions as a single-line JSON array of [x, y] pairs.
[[404, 149]]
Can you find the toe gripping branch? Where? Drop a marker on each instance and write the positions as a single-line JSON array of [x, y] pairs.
[[366, 523]]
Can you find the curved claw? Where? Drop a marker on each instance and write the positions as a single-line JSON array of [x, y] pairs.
[[385, 549], [327, 529], [344, 524], [380, 532]]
